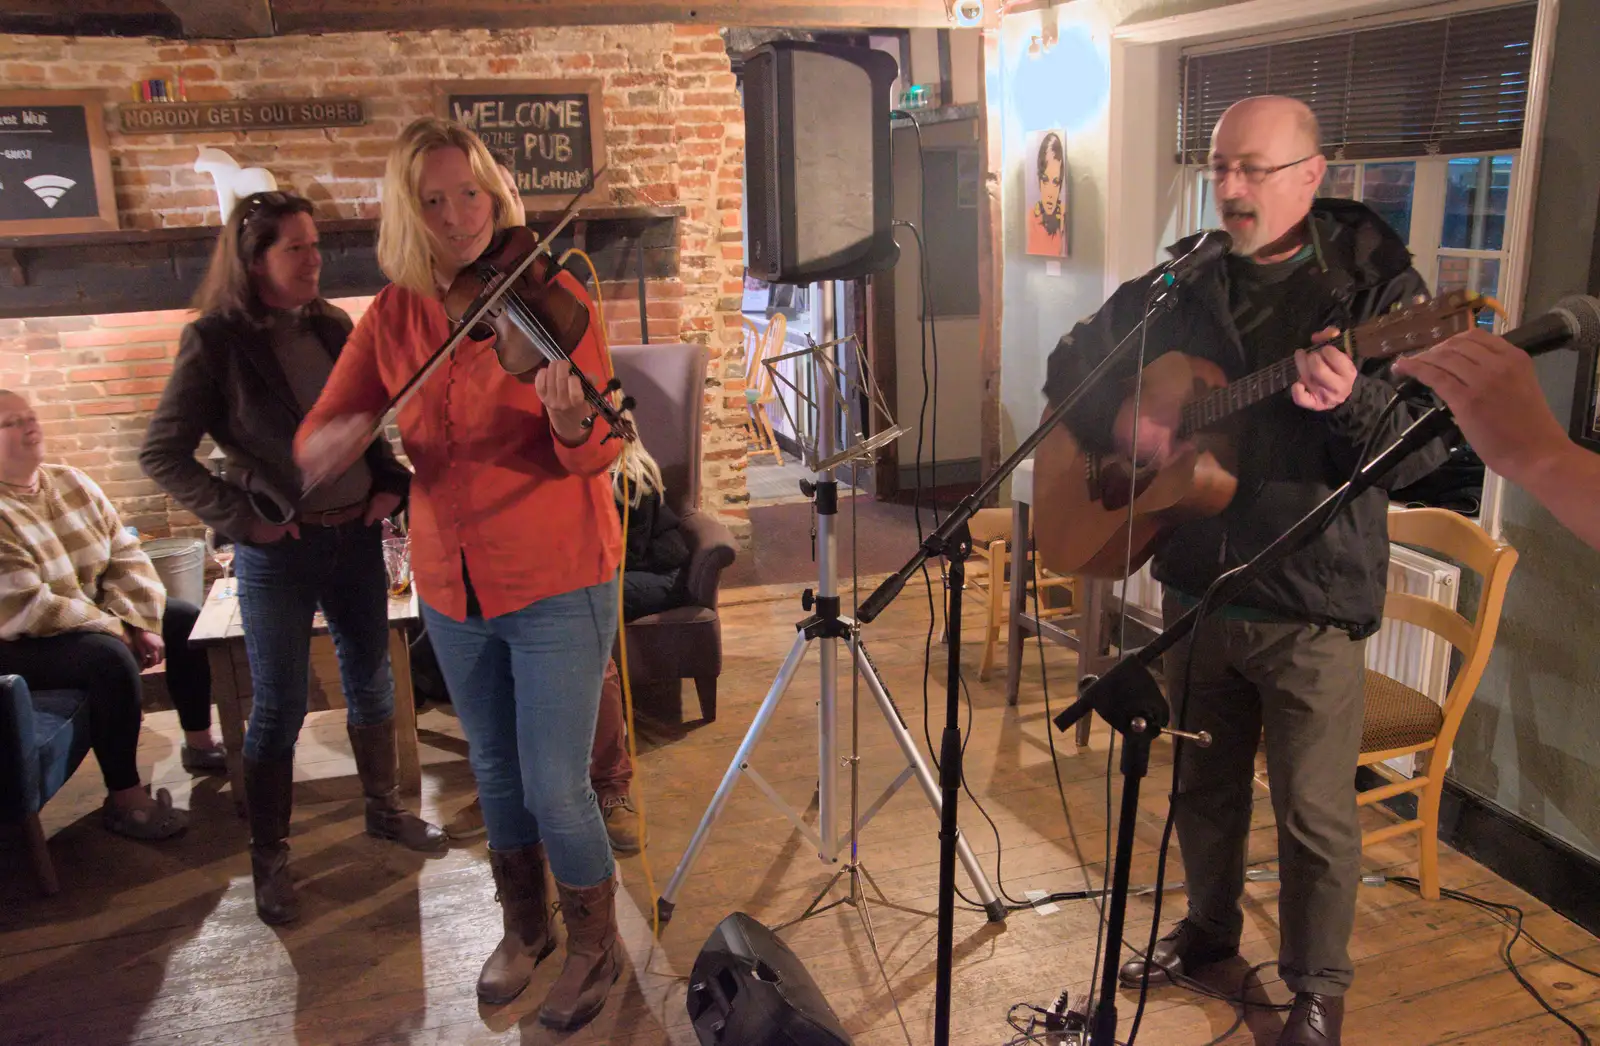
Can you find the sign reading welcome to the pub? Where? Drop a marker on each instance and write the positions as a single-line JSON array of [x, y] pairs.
[[549, 133], [55, 164]]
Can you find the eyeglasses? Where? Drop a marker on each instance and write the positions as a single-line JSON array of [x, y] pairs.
[[1252, 173]]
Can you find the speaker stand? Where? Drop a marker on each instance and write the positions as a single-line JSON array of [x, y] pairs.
[[855, 870], [827, 626]]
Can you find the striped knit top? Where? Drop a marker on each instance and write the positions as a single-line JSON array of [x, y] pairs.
[[66, 564]]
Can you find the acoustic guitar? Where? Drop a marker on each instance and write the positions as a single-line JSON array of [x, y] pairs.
[[1081, 500]]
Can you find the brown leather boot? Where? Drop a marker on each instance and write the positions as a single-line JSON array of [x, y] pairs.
[[378, 766], [594, 956], [269, 796], [622, 824], [521, 888]]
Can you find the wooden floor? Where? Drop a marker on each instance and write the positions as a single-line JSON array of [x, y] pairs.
[[160, 943]]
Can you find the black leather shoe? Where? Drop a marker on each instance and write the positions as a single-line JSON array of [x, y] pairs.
[[1315, 1020], [1182, 951]]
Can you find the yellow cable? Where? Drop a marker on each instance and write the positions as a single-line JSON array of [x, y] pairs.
[[622, 630]]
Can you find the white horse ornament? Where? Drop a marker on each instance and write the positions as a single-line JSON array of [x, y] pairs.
[[232, 182]]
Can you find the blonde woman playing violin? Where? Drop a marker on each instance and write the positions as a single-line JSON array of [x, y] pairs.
[[515, 547]]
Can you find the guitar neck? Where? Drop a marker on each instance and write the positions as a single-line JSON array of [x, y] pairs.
[[1213, 407]]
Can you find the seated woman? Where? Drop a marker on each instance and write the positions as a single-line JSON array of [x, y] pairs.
[[653, 577], [82, 608]]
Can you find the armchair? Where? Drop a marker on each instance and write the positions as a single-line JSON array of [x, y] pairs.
[[668, 383], [43, 738]]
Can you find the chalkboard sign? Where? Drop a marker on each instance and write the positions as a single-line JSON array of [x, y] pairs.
[[55, 164], [549, 133]]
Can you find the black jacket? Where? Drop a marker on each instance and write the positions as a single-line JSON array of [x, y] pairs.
[[227, 384], [1289, 458], [655, 544]]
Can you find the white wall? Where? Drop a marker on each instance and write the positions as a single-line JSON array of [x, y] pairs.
[[1067, 87]]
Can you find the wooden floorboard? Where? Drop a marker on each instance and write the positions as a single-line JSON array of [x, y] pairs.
[[159, 944]]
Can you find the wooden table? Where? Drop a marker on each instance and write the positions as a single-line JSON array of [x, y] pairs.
[[220, 631], [1086, 630]]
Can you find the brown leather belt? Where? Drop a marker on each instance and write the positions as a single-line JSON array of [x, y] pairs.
[[333, 517]]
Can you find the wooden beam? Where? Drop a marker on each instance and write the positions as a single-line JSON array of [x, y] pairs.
[[223, 19], [991, 255], [310, 16], [87, 18]]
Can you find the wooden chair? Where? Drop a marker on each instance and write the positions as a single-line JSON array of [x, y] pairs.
[[759, 346], [1398, 720], [988, 577]]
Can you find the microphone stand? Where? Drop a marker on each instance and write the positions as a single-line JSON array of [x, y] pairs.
[[1129, 698], [953, 541]]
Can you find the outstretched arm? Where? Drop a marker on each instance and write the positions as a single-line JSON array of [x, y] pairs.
[[1490, 387]]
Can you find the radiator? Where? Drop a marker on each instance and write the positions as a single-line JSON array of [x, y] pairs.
[[1409, 654]]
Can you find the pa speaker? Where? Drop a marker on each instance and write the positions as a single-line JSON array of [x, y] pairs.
[[748, 989], [817, 179]]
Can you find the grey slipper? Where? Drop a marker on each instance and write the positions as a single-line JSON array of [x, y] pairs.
[[163, 822]]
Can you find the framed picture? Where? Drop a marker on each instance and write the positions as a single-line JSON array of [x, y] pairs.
[[55, 164], [551, 134], [1045, 184]]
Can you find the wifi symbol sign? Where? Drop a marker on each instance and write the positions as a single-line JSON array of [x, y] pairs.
[[49, 187]]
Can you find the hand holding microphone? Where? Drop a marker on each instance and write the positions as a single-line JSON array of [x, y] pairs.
[[1488, 383], [1489, 386]]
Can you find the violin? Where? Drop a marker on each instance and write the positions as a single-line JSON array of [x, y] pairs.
[[511, 294], [535, 322]]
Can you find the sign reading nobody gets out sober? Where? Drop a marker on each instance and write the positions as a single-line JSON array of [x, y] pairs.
[[549, 134]]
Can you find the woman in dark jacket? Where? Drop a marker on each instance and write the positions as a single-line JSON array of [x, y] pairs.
[[657, 553], [248, 370]]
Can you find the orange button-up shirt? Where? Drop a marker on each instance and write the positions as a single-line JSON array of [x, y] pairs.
[[533, 517]]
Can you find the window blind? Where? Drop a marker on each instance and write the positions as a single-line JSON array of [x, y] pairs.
[[1445, 85]]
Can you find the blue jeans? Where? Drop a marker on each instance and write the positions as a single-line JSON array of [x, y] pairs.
[[526, 686], [280, 587]]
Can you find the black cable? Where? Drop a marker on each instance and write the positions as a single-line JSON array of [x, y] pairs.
[[1122, 640], [1049, 734], [925, 313], [1503, 912]]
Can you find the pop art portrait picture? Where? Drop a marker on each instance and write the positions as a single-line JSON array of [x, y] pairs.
[[1045, 195]]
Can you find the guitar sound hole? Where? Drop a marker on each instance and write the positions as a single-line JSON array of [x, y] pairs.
[[1120, 483]]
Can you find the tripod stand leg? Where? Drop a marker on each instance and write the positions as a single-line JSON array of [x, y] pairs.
[[930, 788], [741, 760]]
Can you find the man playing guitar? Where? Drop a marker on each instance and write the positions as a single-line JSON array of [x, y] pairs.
[[1285, 656]]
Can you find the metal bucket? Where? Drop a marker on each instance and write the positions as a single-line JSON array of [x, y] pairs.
[[181, 562]]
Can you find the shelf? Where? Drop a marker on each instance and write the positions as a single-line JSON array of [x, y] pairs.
[[325, 226], [139, 270], [945, 114]]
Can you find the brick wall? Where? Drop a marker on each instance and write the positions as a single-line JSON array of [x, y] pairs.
[[674, 136]]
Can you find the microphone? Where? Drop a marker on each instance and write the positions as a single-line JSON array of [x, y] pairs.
[[1573, 322], [1214, 243]]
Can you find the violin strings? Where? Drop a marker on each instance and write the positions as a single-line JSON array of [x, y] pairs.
[[537, 332]]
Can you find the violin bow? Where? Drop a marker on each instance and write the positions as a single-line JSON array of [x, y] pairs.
[[490, 297]]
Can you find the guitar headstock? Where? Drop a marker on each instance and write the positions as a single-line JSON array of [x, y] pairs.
[[1418, 326]]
